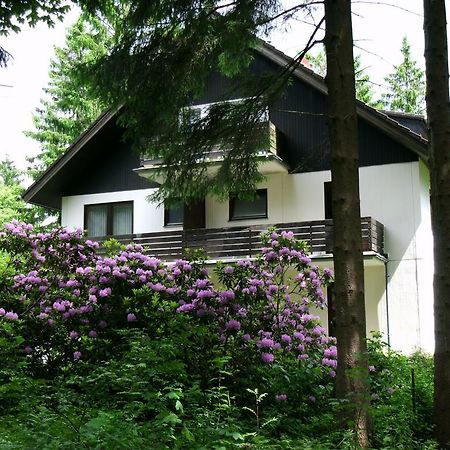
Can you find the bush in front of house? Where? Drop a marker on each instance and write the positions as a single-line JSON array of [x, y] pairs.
[[122, 351]]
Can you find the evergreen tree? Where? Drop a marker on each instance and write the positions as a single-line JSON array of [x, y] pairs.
[[9, 173], [363, 86], [438, 112], [69, 106], [406, 85], [352, 385], [161, 64], [11, 204]]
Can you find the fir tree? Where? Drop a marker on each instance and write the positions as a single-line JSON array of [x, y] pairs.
[[69, 106], [406, 85], [438, 112], [11, 204], [363, 85]]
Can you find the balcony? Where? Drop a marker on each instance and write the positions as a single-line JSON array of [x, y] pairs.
[[268, 158], [242, 242]]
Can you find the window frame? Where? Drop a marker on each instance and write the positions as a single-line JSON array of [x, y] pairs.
[[109, 217], [232, 205], [166, 217]]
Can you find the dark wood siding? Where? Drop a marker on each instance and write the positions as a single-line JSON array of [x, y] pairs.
[[106, 165], [300, 116]]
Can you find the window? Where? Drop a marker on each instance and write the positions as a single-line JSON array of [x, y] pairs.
[[194, 113], [174, 214], [109, 219], [255, 208]]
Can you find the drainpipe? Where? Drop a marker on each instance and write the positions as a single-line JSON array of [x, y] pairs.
[[386, 281]]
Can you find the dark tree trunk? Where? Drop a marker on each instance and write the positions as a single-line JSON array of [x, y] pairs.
[[438, 112], [352, 371]]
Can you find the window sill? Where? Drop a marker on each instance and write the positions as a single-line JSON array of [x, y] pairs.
[[237, 219]]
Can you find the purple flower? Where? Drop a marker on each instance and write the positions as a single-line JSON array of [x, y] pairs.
[[2, 311], [281, 397], [185, 307], [27, 349], [266, 343], [329, 362], [76, 355], [73, 334], [332, 373], [233, 325], [11, 315], [312, 399], [332, 353], [286, 339], [105, 292], [267, 357], [131, 317], [228, 270], [92, 334]]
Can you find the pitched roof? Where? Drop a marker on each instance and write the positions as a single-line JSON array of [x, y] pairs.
[[382, 120]]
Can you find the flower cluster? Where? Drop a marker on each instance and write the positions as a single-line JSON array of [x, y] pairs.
[[266, 303], [62, 285]]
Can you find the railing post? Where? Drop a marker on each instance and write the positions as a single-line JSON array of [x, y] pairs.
[[183, 241]]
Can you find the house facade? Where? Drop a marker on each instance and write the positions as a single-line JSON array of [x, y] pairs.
[[100, 185]]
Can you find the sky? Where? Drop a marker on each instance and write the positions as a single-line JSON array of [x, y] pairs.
[[378, 28]]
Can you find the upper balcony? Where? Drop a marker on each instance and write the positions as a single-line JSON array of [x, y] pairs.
[[243, 242], [268, 159]]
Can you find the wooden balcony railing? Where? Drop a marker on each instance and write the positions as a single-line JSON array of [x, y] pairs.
[[241, 242]]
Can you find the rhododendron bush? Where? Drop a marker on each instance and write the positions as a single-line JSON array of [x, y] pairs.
[[105, 348], [69, 301]]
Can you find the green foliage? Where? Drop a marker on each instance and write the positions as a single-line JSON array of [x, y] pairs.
[[14, 14], [11, 204], [363, 85], [69, 106], [402, 411], [171, 60], [406, 85], [10, 175]]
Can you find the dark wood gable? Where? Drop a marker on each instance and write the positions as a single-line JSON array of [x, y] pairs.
[[300, 116], [105, 164]]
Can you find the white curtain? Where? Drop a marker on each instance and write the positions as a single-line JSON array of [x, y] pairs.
[[97, 220], [122, 219]]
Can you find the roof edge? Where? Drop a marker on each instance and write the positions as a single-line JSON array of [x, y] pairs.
[[380, 119], [73, 149]]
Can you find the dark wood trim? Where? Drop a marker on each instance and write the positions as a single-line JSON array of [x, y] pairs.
[[327, 203], [109, 216], [244, 241], [231, 206], [74, 148], [396, 131]]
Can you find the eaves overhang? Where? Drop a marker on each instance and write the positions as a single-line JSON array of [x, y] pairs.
[[31, 194], [400, 133]]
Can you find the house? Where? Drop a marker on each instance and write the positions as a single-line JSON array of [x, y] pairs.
[[100, 185]]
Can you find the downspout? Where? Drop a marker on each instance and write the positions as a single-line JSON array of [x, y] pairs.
[[386, 290]]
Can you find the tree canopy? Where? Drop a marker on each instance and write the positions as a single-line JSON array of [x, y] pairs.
[[406, 85], [178, 45], [69, 106], [363, 84]]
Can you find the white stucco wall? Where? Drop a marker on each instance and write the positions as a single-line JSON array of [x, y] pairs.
[[396, 195], [147, 216]]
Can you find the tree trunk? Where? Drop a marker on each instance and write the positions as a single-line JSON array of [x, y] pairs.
[[438, 112], [352, 371]]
